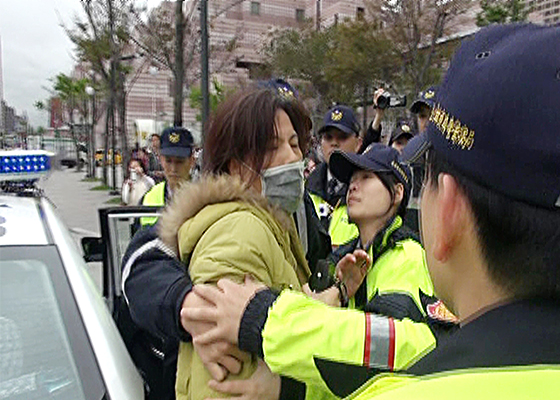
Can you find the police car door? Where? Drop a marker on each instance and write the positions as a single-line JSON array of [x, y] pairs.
[[118, 225]]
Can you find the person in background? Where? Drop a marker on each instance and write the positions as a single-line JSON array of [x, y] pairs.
[[155, 169], [422, 107], [136, 184], [340, 131], [374, 129], [177, 160], [401, 135]]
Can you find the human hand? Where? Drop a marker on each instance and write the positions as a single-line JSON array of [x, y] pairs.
[[220, 357], [352, 269], [263, 384], [227, 304], [376, 95], [328, 296]]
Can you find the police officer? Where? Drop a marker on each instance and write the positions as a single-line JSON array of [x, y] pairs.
[[340, 131], [401, 135], [491, 220], [422, 107], [177, 160]]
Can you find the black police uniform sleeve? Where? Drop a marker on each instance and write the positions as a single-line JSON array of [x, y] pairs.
[[371, 136], [155, 283], [318, 239]]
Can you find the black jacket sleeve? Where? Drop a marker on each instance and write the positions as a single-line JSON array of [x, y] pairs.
[[371, 136], [154, 283]]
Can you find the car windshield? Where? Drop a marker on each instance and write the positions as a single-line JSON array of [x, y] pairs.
[[36, 360]]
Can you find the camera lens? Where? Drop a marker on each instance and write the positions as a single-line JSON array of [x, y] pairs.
[[383, 101]]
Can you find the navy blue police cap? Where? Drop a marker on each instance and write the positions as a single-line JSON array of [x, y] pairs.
[[376, 158], [497, 113], [176, 142], [403, 129], [283, 88], [342, 118], [426, 97]]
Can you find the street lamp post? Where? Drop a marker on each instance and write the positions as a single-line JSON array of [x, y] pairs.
[[91, 142]]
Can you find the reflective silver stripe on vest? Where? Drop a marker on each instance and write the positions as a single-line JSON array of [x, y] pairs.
[[379, 342]]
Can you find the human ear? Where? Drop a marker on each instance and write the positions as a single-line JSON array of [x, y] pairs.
[[450, 218], [399, 193], [359, 142]]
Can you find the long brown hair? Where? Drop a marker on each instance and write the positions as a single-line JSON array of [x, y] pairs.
[[243, 129]]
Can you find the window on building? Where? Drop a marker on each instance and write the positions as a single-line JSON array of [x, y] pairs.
[[300, 15], [360, 12], [255, 8]]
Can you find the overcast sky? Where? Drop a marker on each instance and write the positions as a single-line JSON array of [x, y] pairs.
[[35, 48]]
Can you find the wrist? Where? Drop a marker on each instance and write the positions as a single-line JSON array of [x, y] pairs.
[[253, 321]]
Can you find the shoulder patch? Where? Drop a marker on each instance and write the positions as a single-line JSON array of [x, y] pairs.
[[439, 311], [436, 310]]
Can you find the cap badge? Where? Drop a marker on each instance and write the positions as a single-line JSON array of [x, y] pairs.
[[174, 137], [429, 94], [285, 92], [452, 129], [405, 128], [336, 115]]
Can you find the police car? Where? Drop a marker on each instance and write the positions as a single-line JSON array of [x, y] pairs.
[[57, 337]]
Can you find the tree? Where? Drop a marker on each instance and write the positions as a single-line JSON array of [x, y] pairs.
[[216, 97], [302, 54], [502, 12], [102, 37], [340, 63], [172, 40], [361, 57], [416, 27], [72, 94]]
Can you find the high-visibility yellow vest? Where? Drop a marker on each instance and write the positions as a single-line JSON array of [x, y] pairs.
[[341, 230], [512, 383], [154, 197]]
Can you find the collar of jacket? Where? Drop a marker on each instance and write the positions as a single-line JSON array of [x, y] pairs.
[[386, 238], [191, 197], [317, 185]]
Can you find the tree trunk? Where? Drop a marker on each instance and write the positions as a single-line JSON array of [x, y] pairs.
[[109, 113], [179, 72]]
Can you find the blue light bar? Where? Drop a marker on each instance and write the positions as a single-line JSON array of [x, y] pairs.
[[24, 164]]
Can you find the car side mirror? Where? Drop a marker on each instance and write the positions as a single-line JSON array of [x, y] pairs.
[[93, 249]]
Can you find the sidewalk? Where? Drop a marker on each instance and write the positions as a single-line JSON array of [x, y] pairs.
[[76, 203]]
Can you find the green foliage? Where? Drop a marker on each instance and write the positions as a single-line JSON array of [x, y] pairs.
[[101, 187], [338, 61], [114, 200], [216, 97], [362, 56], [502, 12]]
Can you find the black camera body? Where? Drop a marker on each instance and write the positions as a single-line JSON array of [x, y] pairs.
[[387, 100]]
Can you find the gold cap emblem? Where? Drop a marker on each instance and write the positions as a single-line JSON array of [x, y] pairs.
[[336, 115], [405, 128], [429, 94], [174, 137]]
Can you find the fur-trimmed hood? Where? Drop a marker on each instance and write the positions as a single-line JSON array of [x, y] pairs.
[[192, 197]]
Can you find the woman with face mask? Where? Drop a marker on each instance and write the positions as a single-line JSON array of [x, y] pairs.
[[236, 220]]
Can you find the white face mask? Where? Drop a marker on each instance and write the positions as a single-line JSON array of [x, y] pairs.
[[284, 185]]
